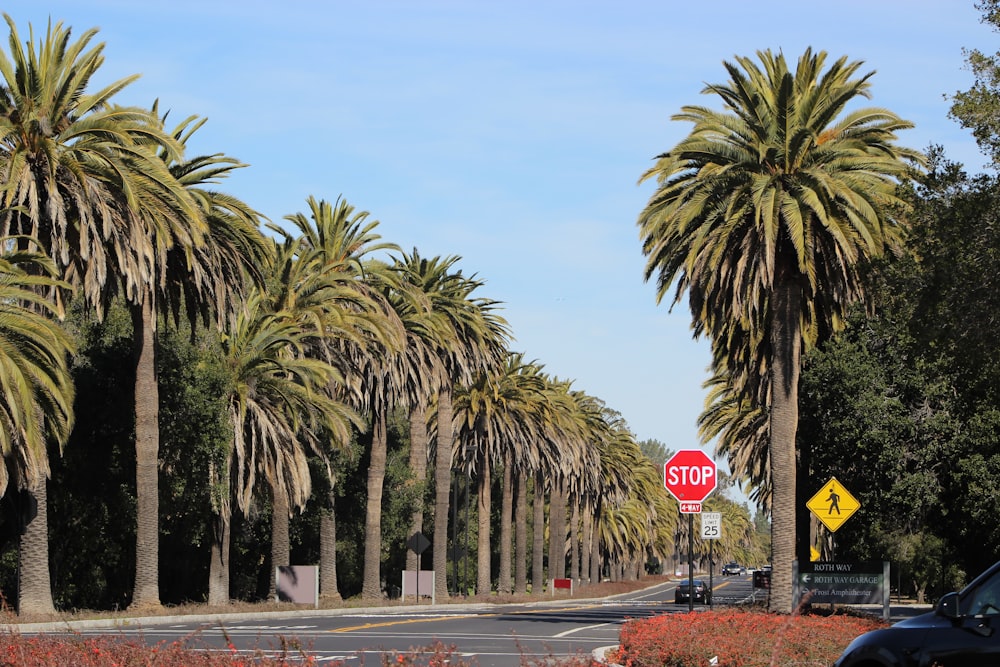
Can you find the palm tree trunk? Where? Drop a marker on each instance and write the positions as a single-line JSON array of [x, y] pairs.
[[521, 533], [483, 563], [147, 446], [557, 530], [506, 519], [574, 539], [442, 488], [220, 530], [328, 550], [281, 546], [595, 543], [418, 464], [35, 591], [588, 535], [371, 585], [218, 571], [786, 344], [538, 536]]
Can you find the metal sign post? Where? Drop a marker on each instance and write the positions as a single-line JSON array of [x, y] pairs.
[[711, 530], [690, 562]]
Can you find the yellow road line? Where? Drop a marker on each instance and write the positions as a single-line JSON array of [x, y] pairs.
[[406, 621], [386, 624]]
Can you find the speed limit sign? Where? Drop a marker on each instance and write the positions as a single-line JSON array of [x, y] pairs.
[[711, 525]]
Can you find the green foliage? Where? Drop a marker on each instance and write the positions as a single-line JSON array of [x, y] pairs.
[[350, 468], [904, 407], [978, 108], [194, 436], [655, 451], [92, 492]]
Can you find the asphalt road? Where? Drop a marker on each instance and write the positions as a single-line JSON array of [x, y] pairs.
[[484, 634]]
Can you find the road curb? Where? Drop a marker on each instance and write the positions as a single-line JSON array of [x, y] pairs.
[[600, 655]]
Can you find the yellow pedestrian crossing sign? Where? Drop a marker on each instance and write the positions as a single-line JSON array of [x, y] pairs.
[[833, 504]]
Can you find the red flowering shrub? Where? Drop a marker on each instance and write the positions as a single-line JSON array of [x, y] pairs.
[[79, 651], [738, 639]]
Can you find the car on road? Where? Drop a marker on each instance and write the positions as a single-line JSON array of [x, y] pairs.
[[702, 593], [733, 568], [962, 631]]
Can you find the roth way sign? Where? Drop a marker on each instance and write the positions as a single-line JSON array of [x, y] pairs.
[[833, 504], [690, 475]]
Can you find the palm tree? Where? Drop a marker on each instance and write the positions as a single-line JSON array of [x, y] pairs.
[[367, 343], [85, 180], [499, 416], [765, 214], [36, 405], [211, 280], [387, 379], [738, 425], [279, 407], [347, 310], [573, 429], [465, 336], [426, 331]]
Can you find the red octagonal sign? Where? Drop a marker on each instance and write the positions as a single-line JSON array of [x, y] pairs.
[[690, 475]]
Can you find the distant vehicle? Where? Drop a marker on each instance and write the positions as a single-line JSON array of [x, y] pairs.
[[702, 593], [733, 568], [762, 577], [962, 630]]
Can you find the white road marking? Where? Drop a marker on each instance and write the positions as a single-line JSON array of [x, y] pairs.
[[575, 630]]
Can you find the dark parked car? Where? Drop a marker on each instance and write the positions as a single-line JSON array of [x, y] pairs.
[[762, 577], [733, 568], [702, 593], [962, 631]]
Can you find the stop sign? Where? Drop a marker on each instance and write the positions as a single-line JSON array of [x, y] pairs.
[[690, 475]]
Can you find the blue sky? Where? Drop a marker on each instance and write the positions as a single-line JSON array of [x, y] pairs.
[[511, 134]]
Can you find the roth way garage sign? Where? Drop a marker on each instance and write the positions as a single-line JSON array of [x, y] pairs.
[[690, 475], [843, 583]]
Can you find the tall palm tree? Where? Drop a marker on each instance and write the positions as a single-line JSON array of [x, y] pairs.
[[618, 459], [36, 406], [465, 335], [86, 181], [496, 413], [573, 429], [280, 409], [353, 316], [427, 330], [210, 281], [388, 379], [764, 215], [373, 358]]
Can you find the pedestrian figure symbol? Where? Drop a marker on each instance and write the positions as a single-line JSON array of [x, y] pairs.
[[833, 504], [834, 500]]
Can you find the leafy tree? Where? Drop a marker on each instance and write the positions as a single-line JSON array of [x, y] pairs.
[[92, 497], [763, 215], [655, 451], [196, 436], [902, 406], [978, 108]]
